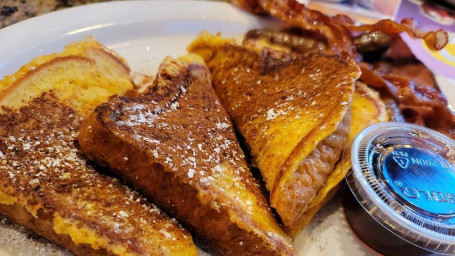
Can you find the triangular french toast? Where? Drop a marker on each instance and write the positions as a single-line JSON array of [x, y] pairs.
[[367, 108], [46, 183], [82, 76], [292, 111], [175, 143]]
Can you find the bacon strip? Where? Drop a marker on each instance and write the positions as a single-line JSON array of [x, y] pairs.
[[418, 103], [337, 29], [421, 104], [297, 15], [435, 40]]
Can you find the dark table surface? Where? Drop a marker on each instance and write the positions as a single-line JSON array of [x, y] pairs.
[[13, 11]]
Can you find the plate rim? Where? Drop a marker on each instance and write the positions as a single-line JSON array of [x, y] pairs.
[[49, 18]]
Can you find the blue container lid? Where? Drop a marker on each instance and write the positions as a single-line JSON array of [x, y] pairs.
[[404, 177]]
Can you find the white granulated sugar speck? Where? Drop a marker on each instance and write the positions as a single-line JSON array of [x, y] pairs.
[[191, 173], [175, 105], [33, 182], [222, 126], [218, 168], [344, 103], [1, 154], [26, 146], [166, 234], [123, 214], [271, 114]]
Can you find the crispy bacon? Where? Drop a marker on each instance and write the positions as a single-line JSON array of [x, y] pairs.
[[435, 40], [408, 92], [249, 5], [297, 15], [417, 101], [337, 29], [370, 76]]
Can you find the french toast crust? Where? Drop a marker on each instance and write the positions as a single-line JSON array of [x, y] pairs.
[[46, 183], [115, 57], [7, 91], [284, 106], [266, 63], [41, 226], [314, 169], [156, 164], [367, 108], [56, 194], [96, 70], [178, 198]]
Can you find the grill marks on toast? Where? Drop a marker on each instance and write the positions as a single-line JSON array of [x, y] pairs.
[[175, 143]]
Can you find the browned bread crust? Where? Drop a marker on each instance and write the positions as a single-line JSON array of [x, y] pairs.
[[366, 109], [47, 186], [176, 144], [83, 76], [45, 182], [291, 111]]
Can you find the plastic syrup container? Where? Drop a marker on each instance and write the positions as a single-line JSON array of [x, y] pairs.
[[403, 182]]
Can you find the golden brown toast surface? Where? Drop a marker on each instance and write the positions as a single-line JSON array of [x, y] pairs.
[[84, 75], [176, 144], [286, 108], [43, 172], [47, 185], [367, 108]]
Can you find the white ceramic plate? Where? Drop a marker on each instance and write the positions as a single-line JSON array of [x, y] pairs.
[[144, 32]]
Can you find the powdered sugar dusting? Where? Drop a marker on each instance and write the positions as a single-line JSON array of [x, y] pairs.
[[191, 173], [197, 140], [44, 165]]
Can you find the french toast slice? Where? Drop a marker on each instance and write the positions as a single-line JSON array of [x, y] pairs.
[[175, 143], [82, 76], [292, 112], [46, 183], [367, 109]]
